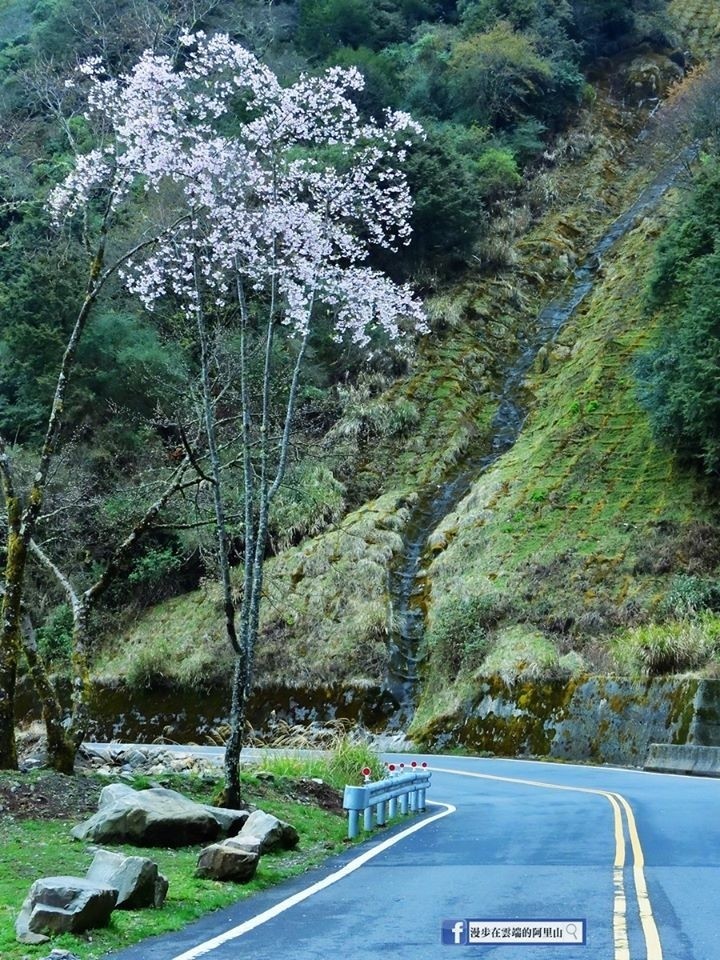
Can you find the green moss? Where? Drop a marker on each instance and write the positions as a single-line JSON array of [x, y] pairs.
[[682, 709], [519, 720]]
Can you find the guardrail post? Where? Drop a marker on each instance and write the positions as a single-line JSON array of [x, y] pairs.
[[353, 823], [392, 807], [380, 814], [404, 804], [367, 818]]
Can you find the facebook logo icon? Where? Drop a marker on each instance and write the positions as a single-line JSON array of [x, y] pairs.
[[453, 932]]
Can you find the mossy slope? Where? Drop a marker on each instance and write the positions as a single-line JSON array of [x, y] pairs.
[[573, 536], [577, 533]]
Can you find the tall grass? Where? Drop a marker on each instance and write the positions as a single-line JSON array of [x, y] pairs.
[[341, 761]]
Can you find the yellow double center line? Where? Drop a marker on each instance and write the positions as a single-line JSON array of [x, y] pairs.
[[653, 947]]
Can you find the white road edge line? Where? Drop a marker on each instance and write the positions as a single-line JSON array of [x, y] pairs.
[[202, 948]]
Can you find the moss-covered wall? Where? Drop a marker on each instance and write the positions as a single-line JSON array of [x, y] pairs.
[[594, 718], [190, 716]]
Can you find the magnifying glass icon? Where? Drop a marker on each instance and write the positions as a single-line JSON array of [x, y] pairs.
[[571, 930]]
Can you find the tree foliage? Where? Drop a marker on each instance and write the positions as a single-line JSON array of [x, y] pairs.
[[680, 375]]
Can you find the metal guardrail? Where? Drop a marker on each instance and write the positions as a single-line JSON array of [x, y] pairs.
[[380, 798]]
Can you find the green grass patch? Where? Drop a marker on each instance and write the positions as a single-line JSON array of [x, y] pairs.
[[30, 849], [341, 767]]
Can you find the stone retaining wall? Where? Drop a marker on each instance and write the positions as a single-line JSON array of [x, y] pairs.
[[196, 716], [603, 719]]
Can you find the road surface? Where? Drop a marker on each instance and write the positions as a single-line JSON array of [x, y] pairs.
[[634, 855]]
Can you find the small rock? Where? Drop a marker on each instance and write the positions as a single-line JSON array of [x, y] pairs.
[[137, 879], [273, 834], [227, 861], [64, 905], [161, 888], [30, 938], [31, 763]]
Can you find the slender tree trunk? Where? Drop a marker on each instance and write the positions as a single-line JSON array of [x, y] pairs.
[[232, 792], [61, 749], [16, 559], [82, 605], [255, 546], [234, 745]]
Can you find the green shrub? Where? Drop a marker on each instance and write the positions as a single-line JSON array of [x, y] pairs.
[[522, 653], [151, 577], [347, 761], [498, 173], [497, 77], [151, 667], [55, 636], [343, 766], [449, 212], [678, 375], [459, 632], [689, 596]]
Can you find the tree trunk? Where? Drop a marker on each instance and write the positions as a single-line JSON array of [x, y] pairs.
[[232, 793], [81, 674], [10, 639], [8, 674], [60, 748]]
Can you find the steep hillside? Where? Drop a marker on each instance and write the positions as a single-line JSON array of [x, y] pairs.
[[328, 614], [586, 528], [569, 549]]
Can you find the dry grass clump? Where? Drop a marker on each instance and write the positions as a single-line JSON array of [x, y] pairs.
[[327, 613], [656, 649], [521, 653]]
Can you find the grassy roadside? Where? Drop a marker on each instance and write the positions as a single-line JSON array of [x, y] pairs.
[[31, 847]]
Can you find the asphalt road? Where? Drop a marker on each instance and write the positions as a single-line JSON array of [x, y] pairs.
[[634, 855]]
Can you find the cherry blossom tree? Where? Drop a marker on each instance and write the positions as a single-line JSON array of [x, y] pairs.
[[280, 195]]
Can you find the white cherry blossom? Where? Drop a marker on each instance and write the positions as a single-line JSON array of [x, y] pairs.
[[287, 185]]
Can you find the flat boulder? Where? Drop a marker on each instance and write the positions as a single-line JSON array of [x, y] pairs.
[[155, 817], [227, 861], [229, 821], [272, 833], [137, 879], [64, 905]]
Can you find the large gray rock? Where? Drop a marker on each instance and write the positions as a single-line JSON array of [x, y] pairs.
[[229, 821], [155, 817], [137, 879], [272, 833], [247, 843], [64, 905], [227, 861]]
